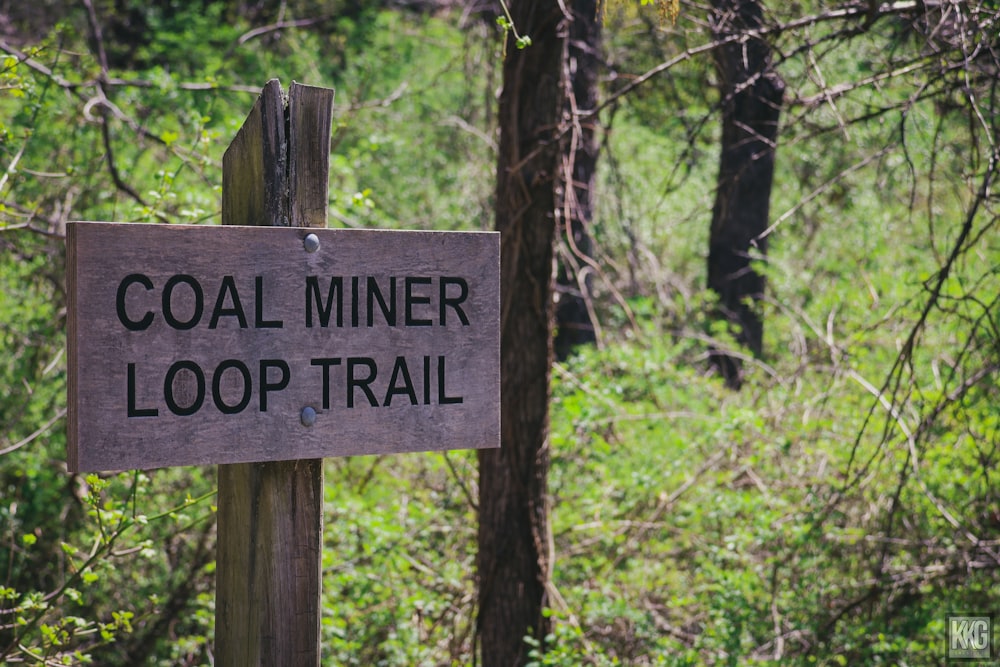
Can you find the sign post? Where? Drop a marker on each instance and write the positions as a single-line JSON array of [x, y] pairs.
[[269, 343], [270, 517]]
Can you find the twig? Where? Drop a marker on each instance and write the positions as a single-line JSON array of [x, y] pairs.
[[101, 100], [461, 483], [60, 413], [280, 25]]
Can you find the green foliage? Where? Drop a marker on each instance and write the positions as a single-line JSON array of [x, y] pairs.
[[506, 23], [87, 605], [399, 556], [119, 570], [823, 514], [411, 126], [830, 513]]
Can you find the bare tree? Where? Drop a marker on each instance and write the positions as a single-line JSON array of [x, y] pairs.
[[752, 94], [514, 560], [575, 211]]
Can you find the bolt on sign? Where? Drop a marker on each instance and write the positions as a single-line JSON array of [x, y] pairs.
[[203, 344]]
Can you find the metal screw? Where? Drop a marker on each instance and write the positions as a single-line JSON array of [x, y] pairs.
[[308, 416], [311, 243]]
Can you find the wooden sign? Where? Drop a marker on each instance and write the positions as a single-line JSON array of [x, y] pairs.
[[203, 344]]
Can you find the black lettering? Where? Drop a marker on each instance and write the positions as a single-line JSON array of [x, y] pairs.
[[228, 285], [455, 301], [266, 386], [400, 369], [168, 387], [362, 383], [132, 410], [354, 301], [427, 380], [223, 407], [326, 363], [412, 299], [442, 398], [147, 319], [312, 289], [199, 301], [374, 294], [259, 322]]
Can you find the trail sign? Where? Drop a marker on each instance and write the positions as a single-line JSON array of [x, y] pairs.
[[269, 343], [203, 344]]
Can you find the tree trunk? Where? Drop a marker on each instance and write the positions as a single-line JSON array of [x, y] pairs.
[[513, 560], [752, 95], [575, 208]]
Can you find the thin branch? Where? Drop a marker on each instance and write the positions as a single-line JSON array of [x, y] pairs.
[[60, 413], [101, 100], [461, 483], [280, 25], [906, 351], [821, 189], [844, 14]]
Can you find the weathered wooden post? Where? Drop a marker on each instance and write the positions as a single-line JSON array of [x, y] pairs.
[[270, 523], [267, 344]]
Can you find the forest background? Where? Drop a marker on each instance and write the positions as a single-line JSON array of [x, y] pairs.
[[831, 505]]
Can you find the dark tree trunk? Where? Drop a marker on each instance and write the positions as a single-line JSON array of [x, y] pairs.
[[575, 205], [513, 560], [752, 95]]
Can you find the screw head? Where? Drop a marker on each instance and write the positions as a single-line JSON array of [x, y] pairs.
[[308, 416], [311, 243]]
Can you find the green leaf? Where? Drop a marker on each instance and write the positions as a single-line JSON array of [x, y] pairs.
[[169, 137]]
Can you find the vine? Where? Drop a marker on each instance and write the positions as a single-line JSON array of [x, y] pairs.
[[506, 23]]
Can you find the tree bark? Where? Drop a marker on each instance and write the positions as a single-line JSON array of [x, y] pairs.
[[752, 93], [575, 209], [513, 560]]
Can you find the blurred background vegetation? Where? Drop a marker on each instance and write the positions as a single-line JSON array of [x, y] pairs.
[[832, 511]]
